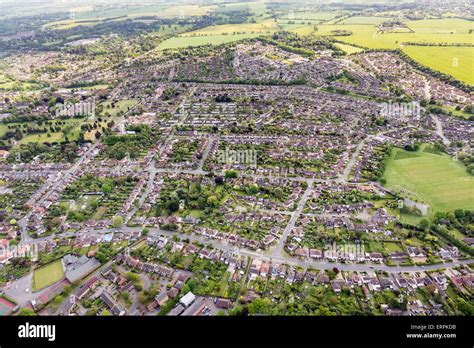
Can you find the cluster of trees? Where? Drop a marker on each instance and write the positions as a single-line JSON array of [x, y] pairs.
[[468, 161], [442, 223], [120, 146], [55, 152]]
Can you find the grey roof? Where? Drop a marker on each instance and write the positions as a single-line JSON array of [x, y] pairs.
[[83, 270], [176, 310]]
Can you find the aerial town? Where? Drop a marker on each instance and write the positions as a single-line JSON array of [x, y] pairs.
[[280, 170]]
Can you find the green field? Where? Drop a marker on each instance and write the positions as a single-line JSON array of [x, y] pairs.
[[456, 61], [365, 20], [427, 31], [348, 48], [436, 180], [245, 28], [182, 41], [47, 275]]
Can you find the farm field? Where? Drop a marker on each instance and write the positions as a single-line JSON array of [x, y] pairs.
[[185, 41], [348, 48], [47, 275], [436, 180], [260, 28], [366, 35], [365, 20], [456, 61], [90, 18], [310, 15]]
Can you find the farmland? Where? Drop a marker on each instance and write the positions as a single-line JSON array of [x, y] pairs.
[[185, 41], [437, 180], [456, 61]]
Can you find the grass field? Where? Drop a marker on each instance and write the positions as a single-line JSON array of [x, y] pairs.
[[348, 48], [310, 16], [366, 35], [47, 275], [456, 61], [437, 180], [245, 28], [121, 106], [365, 20], [182, 41]]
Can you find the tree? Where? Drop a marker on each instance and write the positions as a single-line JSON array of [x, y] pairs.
[[229, 174], [117, 221], [424, 223], [212, 201], [106, 188], [26, 312], [173, 205]]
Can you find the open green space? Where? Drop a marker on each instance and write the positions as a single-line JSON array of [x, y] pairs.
[[437, 180], [455, 61], [47, 275]]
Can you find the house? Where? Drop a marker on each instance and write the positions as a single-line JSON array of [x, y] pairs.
[[4, 154], [375, 257], [315, 254], [152, 306], [195, 308], [374, 284], [223, 303], [176, 310], [323, 279], [173, 292], [161, 298], [110, 302], [337, 285], [187, 299]]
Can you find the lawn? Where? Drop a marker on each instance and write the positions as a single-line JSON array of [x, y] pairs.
[[393, 246], [437, 180], [47, 275], [121, 106]]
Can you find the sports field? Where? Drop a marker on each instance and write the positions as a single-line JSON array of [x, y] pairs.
[[436, 180], [6, 307], [47, 275]]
